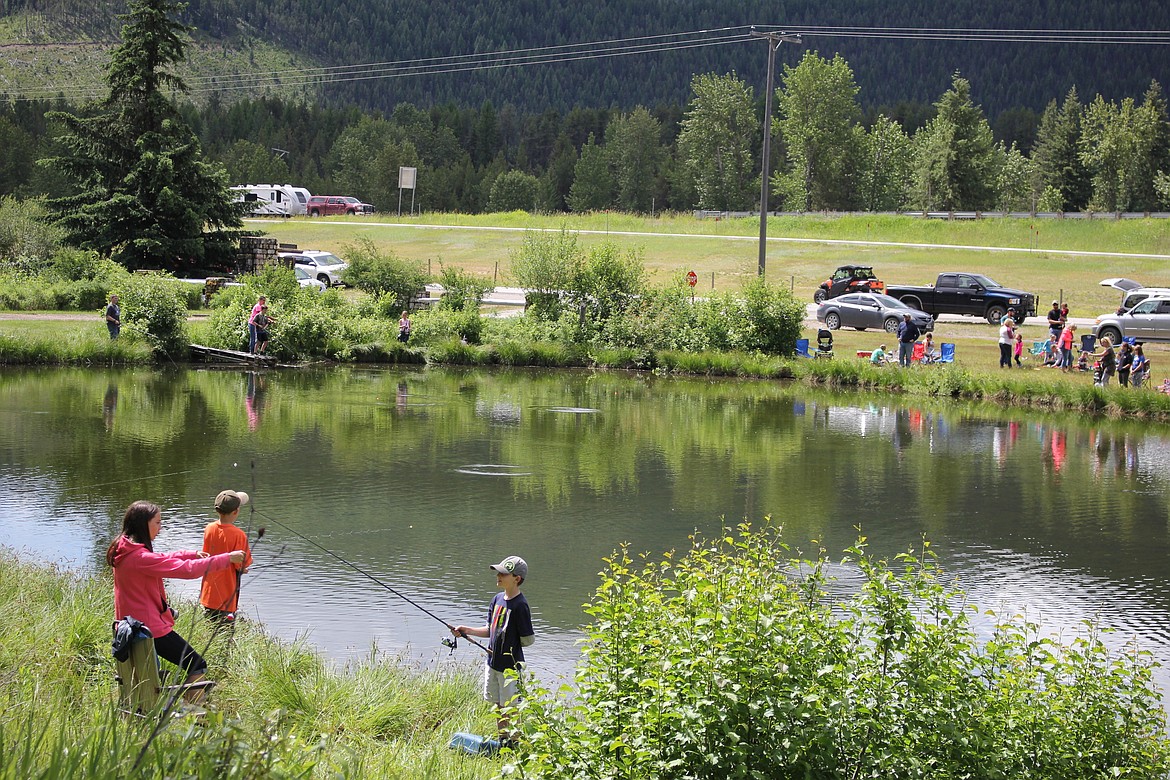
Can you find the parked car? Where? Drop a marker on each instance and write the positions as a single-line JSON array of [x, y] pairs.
[[325, 267], [966, 293], [332, 205], [1133, 293], [1147, 321], [305, 279], [870, 310], [849, 279]]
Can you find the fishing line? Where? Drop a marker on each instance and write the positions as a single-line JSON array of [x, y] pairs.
[[133, 479], [373, 579]]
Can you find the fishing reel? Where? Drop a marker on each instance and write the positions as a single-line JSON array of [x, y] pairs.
[[451, 643]]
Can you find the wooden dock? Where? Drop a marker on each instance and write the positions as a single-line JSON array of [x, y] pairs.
[[213, 355]]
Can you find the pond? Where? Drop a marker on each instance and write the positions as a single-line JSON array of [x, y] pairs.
[[422, 478]]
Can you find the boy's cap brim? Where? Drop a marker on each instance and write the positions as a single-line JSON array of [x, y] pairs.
[[230, 500]]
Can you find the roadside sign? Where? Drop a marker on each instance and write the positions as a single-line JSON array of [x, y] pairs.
[[692, 278]]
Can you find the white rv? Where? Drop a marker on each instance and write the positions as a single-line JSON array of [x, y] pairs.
[[273, 200]]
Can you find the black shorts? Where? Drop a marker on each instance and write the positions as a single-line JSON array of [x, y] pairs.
[[175, 649]]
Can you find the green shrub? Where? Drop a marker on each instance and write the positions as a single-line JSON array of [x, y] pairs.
[[27, 240], [462, 291], [155, 306], [739, 660], [546, 264], [438, 324], [382, 274]]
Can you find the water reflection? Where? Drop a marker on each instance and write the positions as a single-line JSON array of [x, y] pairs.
[[426, 476]]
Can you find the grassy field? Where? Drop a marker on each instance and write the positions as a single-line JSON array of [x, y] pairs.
[[1035, 255]]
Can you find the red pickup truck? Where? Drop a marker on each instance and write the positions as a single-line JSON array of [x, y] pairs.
[[332, 205]]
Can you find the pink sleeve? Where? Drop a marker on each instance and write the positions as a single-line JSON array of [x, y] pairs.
[[176, 566]]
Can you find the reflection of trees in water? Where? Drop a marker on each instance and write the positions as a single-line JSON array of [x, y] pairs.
[[711, 447]]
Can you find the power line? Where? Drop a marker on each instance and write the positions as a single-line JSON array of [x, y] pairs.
[[622, 47]]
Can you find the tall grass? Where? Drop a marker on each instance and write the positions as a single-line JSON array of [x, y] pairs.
[[31, 343], [278, 710]]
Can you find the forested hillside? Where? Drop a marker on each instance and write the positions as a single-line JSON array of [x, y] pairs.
[[888, 70]]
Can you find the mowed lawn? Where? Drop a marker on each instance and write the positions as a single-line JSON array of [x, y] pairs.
[[1035, 255]]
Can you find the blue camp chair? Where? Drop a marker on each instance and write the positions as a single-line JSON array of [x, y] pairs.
[[946, 353], [1088, 342], [802, 348], [1039, 348]]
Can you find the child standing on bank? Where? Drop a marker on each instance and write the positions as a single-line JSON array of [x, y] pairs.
[[221, 589], [1019, 350], [509, 630]]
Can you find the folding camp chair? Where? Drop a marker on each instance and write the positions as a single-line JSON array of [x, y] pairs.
[[802, 348], [946, 353], [1039, 348], [140, 684], [918, 353], [1088, 342], [824, 343]]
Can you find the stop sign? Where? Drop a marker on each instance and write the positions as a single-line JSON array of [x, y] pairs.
[[692, 278]]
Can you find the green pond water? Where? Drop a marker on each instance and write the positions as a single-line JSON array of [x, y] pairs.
[[422, 478]]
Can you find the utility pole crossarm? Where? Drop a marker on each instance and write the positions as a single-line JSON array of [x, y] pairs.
[[774, 41]]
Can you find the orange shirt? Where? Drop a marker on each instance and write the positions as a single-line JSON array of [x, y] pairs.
[[220, 588]]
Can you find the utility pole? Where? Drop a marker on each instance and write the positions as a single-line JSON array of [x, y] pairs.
[[774, 41]]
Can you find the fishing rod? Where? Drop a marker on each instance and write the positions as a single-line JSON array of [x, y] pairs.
[[447, 642]]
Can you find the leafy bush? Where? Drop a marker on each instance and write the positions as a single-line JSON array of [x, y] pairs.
[[513, 191], [737, 660], [155, 306], [380, 273], [608, 282], [437, 325], [546, 263], [462, 290], [27, 240]]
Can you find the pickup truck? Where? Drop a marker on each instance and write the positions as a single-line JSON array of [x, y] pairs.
[[962, 293]]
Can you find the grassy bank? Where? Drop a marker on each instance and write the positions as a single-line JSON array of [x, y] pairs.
[[974, 376], [278, 710]]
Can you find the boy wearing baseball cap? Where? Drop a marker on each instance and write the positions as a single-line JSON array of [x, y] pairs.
[[221, 589], [509, 630]]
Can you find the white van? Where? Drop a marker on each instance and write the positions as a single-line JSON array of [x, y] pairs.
[[273, 200], [1132, 293]]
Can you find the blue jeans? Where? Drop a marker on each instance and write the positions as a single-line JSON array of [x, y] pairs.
[[905, 352], [251, 337]]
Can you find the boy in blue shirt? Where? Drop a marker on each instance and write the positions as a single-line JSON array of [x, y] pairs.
[[508, 631]]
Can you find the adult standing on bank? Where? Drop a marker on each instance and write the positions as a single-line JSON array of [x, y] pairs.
[[1007, 338], [908, 333], [114, 317], [1055, 321], [256, 310], [138, 584]]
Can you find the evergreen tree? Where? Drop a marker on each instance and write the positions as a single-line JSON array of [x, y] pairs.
[[593, 186], [717, 143], [635, 153], [1056, 157], [956, 164], [144, 195]]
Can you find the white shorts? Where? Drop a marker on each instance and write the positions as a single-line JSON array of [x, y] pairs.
[[500, 687]]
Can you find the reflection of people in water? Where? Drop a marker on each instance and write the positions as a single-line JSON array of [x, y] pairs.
[[1059, 449], [400, 396], [109, 405], [254, 399]]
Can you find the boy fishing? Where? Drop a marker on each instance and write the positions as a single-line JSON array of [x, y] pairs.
[[509, 630], [221, 589]]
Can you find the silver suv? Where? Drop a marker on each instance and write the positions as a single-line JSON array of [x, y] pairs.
[[325, 267], [1147, 321]]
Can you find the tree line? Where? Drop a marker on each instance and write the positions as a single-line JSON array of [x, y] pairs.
[[828, 153]]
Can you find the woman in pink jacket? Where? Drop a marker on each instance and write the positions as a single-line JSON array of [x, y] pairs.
[[138, 582]]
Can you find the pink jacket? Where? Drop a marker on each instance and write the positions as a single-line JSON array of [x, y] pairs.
[[138, 581]]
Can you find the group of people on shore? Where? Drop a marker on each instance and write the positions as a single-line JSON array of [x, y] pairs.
[[140, 598]]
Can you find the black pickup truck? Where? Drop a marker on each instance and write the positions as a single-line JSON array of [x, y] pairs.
[[972, 294]]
